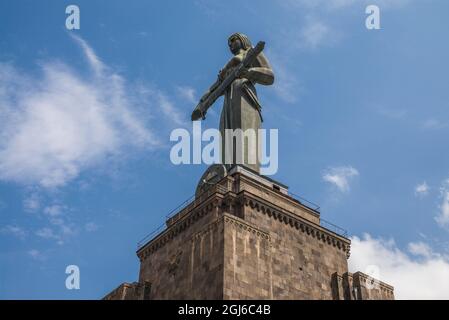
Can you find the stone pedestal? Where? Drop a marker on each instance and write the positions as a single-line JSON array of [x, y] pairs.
[[246, 237]]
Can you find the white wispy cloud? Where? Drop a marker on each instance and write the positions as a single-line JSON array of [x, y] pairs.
[[287, 85], [31, 203], [421, 249], [333, 5], [187, 93], [417, 274], [170, 111], [94, 61], [57, 124], [422, 189], [47, 233], [54, 210], [315, 33], [317, 4], [443, 217], [60, 231], [318, 15], [312, 33], [14, 230], [340, 177], [316, 28], [59, 226], [91, 227], [391, 112], [36, 254], [434, 124]]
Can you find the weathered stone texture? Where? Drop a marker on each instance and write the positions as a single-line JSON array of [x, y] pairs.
[[246, 239], [189, 264], [130, 291]]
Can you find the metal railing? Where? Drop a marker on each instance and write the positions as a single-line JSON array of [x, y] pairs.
[[180, 207], [162, 227], [221, 189], [150, 236], [334, 228], [178, 211], [308, 203]]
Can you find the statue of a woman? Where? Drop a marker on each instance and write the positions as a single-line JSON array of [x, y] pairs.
[[241, 108]]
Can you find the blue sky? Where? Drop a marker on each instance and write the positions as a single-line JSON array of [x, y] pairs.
[[85, 119]]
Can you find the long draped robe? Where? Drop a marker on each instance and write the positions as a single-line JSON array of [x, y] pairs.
[[242, 110]]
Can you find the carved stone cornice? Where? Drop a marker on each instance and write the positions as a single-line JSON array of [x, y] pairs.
[[211, 226], [366, 280], [243, 225], [311, 229], [228, 203], [285, 197], [180, 225]]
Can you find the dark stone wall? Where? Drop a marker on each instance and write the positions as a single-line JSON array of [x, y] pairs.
[[245, 240], [188, 263], [282, 263]]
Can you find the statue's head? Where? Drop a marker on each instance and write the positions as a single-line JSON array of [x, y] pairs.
[[238, 41]]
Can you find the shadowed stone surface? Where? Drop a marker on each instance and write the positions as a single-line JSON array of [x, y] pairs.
[[247, 238]]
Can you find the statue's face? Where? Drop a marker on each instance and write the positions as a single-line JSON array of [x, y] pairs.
[[235, 45]]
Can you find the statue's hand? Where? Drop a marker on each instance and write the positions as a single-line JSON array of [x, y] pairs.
[[244, 74], [222, 74], [198, 115]]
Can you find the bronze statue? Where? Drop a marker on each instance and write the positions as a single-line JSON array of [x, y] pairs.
[[236, 81]]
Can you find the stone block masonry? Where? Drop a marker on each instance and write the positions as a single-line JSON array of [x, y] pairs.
[[247, 238]]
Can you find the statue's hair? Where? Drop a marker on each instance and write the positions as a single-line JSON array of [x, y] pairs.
[[246, 43]]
